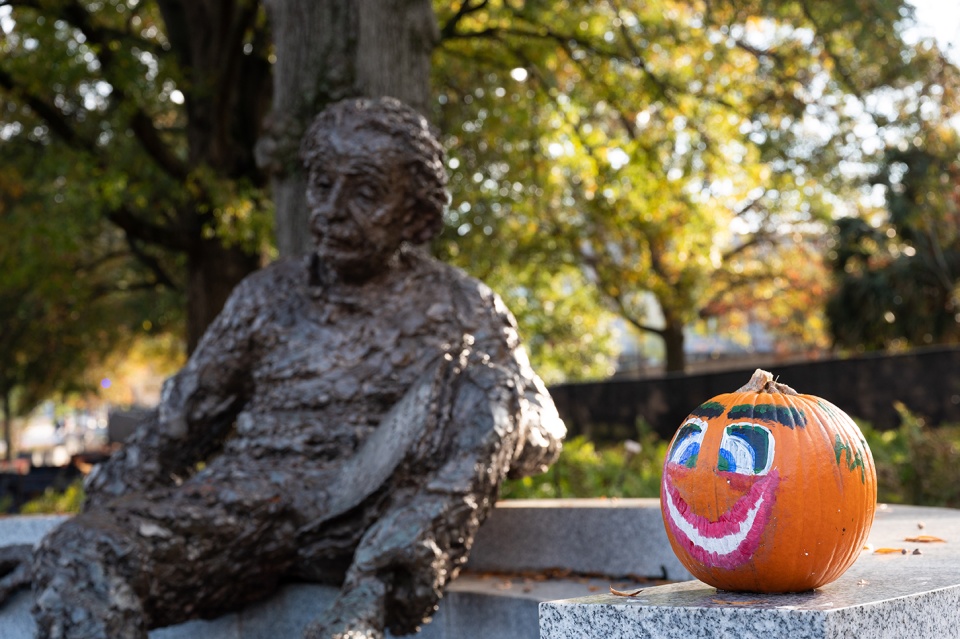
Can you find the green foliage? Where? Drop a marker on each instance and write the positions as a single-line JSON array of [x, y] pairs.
[[583, 470], [898, 272], [148, 158], [52, 501], [606, 158], [673, 154], [67, 292], [916, 463]]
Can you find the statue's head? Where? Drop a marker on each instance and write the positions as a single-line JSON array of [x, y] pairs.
[[375, 180]]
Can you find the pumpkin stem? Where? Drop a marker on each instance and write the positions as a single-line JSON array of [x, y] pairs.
[[763, 382]]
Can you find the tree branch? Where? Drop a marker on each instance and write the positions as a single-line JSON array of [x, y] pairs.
[[136, 228], [140, 122], [449, 29], [53, 117], [844, 75]]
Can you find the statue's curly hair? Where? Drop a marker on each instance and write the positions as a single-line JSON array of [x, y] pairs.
[[417, 146]]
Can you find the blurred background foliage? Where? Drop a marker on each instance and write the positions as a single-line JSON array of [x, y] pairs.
[[916, 464], [619, 170]]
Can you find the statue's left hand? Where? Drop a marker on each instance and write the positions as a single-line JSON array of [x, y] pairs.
[[15, 562], [358, 613]]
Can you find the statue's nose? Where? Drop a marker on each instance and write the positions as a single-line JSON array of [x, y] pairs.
[[325, 203]]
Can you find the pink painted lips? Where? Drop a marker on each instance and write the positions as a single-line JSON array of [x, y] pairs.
[[731, 540]]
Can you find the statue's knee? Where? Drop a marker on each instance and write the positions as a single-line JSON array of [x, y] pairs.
[[82, 586], [81, 545]]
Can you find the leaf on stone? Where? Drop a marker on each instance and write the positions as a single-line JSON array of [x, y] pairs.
[[620, 593], [744, 602], [925, 539], [889, 551]]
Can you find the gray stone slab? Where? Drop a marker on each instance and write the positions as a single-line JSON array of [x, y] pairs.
[[27, 529], [882, 595], [477, 604], [614, 537]]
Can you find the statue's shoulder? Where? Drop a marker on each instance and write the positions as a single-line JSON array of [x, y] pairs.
[[286, 272], [450, 281], [476, 307], [274, 286]]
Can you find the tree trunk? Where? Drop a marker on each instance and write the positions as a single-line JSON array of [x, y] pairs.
[[223, 53], [7, 425], [676, 361], [213, 270], [328, 51]]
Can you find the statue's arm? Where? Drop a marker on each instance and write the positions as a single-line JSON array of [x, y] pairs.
[[477, 420], [197, 408]]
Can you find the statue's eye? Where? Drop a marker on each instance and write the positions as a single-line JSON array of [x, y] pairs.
[[321, 180], [746, 449], [686, 447], [367, 191]]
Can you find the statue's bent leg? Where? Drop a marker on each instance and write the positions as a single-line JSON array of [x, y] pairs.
[[143, 561], [441, 492], [15, 574], [82, 582]]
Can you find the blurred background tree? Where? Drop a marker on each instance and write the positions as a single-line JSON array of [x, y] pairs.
[[683, 160], [70, 293], [657, 164], [898, 271]]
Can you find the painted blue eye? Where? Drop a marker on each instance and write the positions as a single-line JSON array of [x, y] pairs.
[[686, 447], [746, 449]]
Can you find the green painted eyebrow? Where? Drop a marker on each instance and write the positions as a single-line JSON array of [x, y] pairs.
[[784, 415], [708, 410]]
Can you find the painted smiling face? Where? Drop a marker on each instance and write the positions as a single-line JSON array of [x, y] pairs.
[[766, 490]]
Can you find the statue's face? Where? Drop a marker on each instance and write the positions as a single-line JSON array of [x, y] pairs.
[[357, 201]]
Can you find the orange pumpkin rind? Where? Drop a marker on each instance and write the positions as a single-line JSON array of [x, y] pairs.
[[768, 490]]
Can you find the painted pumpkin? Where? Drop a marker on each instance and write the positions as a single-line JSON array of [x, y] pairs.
[[767, 490]]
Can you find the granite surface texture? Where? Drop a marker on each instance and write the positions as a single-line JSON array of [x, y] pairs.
[[900, 596], [895, 595], [476, 605], [612, 537], [486, 601]]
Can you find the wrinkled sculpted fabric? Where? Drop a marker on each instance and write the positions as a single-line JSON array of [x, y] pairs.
[[347, 419]]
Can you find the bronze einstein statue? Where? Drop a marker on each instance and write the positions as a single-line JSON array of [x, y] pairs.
[[347, 419]]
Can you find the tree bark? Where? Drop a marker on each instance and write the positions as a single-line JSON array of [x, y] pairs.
[[673, 341], [329, 51], [213, 270], [7, 425], [226, 97]]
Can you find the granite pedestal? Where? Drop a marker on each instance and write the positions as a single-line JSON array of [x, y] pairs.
[[527, 552], [894, 595]]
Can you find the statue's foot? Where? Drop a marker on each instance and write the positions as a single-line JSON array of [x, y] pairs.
[[15, 571], [358, 613], [354, 630]]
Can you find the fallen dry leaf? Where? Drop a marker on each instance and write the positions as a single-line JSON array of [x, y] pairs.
[[889, 551], [924, 539], [737, 603], [620, 593]]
